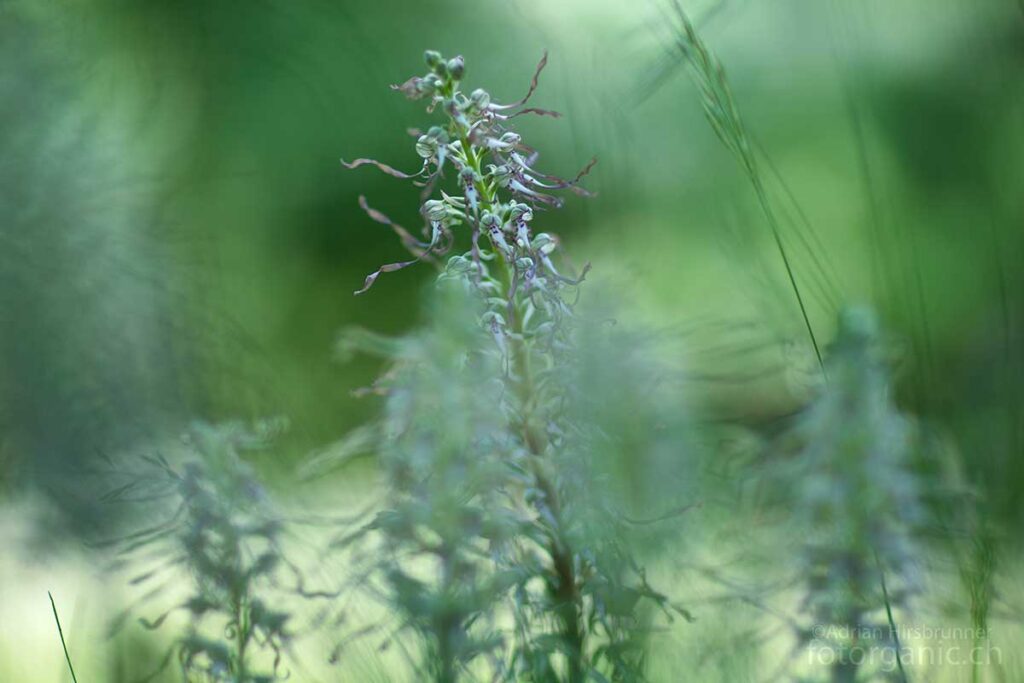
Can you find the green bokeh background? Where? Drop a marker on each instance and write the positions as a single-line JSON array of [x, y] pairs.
[[179, 240]]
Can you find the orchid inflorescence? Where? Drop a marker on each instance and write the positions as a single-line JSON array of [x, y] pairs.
[[489, 160], [500, 417]]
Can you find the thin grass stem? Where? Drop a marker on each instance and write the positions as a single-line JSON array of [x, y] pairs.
[[60, 632]]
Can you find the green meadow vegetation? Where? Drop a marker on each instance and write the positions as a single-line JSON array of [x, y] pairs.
[[685, 342]]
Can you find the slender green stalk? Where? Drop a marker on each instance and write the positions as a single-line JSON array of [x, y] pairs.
[[241, 637], [565, 595], [888, 614], [724, 117], [60, 632], [762, 197]]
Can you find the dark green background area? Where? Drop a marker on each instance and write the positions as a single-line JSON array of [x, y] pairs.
[[180, 241]]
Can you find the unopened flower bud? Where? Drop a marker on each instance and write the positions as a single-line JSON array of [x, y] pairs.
[[493, 319], [435, 210], [432, 58], [521, 211], [457, 67], [480, 98], [488, 221], [524, 263], [426, 146], [501, 174], [459, 264], [432, 81], [544, 243]]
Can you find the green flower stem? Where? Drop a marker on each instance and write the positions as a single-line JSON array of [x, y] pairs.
[[563, 593]]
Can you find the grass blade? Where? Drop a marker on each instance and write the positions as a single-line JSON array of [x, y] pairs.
[[723, 116], [60, 632]]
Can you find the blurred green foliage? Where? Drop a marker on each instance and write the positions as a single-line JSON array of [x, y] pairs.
[[182, 161], [178, 239]]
